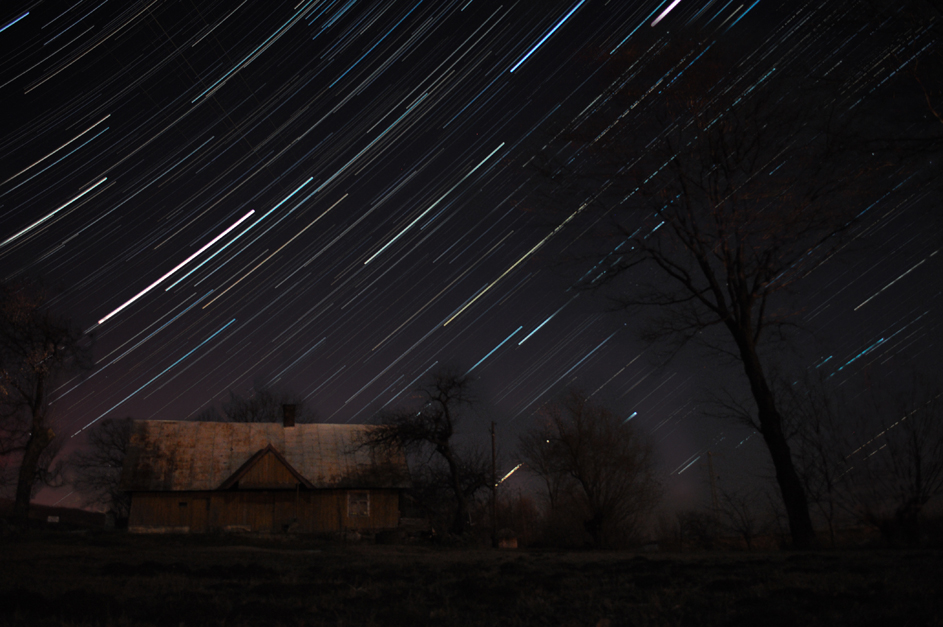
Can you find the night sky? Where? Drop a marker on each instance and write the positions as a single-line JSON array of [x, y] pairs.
[[337, 197]]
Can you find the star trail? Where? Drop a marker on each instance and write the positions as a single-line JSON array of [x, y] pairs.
[[337, 196]]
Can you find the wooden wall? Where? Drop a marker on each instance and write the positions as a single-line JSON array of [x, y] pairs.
[[268, 473], [304, 511]]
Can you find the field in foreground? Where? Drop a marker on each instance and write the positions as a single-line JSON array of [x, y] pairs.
[[117, 579]]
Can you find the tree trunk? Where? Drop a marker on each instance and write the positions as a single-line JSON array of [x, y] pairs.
[[594, 527], [771, 425], [461, 508], [907, 518], [39, 439]]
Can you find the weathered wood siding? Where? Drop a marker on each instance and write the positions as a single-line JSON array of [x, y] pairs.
[[268, 473], [304, 511]]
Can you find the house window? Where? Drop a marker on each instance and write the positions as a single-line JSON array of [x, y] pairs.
[[358, 504]]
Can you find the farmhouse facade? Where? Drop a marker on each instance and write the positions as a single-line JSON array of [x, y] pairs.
[[263, 477]]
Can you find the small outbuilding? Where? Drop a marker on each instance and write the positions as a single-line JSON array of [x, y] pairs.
[[262, 477]]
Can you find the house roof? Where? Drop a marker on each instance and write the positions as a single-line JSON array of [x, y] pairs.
[[247, 467], [176, 455]]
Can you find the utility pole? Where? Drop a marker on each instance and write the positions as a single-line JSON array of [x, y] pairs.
[[715, 502], [494, 488]]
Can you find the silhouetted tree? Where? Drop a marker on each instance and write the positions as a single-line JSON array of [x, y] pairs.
[[37, 347], [96, 470], [709, 207], [818, 428], [870, 455], [740, 513], [894, 459], [917, 28], [698, 529], [433, 490], [263, 403], [595, 462], [427, 430]]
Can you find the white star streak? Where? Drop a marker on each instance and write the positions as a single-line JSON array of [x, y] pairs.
[[665, 12], [873, 296], [273, 254], [516, 263], [265, 45], [38, 222], [432, 206], [494, 349], [542, 324], [193, 350], [35, 163], [180, 265]]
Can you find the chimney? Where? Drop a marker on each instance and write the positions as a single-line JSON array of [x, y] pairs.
[[288, 415]]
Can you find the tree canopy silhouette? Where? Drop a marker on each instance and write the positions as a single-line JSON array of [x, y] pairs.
[[96, 469], [708, 202], [427, 429], [37, 348], [593, 463]]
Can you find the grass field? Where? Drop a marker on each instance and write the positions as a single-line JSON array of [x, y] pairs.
[[119, 579]]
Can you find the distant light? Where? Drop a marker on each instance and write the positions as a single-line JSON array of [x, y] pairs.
[[510, 473]]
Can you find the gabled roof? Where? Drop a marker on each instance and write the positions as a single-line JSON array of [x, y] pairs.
[[176, 455], [234, 478]]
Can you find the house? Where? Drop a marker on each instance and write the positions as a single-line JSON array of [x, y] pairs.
[[264, 477]]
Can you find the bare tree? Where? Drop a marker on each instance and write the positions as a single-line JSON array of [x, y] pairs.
[[869, 455], [707, 211], [818, 427], [740, 514], [896, 467], [37, 347], [917, 26], [697, 528], [263, 403], [427, 431], [593, 460], [433, 490], [96, 470]]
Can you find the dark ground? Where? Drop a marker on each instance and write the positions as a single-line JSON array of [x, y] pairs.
[[57, 578]]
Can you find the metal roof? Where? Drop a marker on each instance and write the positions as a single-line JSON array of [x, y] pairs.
[[174, 455]]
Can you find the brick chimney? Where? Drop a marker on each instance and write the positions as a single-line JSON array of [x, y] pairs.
[[288, 415]]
